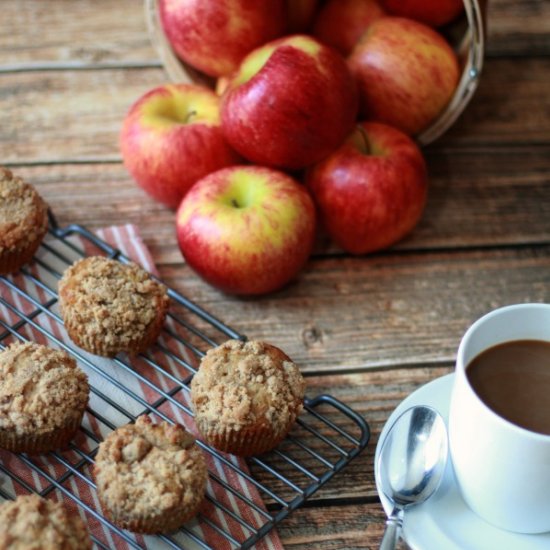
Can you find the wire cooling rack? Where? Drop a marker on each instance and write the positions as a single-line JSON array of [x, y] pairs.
[[326, 437]]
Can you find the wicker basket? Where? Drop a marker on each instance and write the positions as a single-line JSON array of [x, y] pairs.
[[470, 51]]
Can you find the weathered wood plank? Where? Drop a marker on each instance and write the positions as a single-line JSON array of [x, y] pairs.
[[512, 105], [66, 116], [55, 116], [352, 527], [518, 28], [91, 32], [105, 32]]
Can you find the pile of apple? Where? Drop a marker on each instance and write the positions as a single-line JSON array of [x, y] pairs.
[[335, 109]]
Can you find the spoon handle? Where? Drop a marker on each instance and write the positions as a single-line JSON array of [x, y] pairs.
[[391, 534]]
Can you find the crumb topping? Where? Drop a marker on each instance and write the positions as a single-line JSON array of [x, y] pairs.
[[111, 301], [145, 469], [41, 389], [35, 523], [240, 384], [23, 213]]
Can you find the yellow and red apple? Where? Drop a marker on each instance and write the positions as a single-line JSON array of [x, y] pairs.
[[371, 191], [171, 137], [340, 23], [214, 35], [246, 229], [290, 103], [431, 12], [406, 73]]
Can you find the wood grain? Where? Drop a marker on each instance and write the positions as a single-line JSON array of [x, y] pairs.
[[90, 33], [518, 28], [351, 527], [511, 106], [54, 116], [481, 196]]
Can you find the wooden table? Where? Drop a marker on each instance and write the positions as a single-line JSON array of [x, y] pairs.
[[369, 330]]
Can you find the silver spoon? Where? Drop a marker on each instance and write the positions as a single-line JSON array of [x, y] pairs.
[[410, 465]]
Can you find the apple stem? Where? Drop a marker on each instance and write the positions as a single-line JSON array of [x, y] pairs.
[[189, 116], [365, 140], [234, 203]]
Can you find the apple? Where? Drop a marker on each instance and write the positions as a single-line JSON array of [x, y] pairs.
[[340, 23], [214, 35], [221, 85], [372, 190], [406, 73], [290, 103], [172, 137], [431, 12], [246, 229], [300, 15]]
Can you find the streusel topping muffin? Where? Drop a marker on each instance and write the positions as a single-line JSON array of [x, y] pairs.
[[43, 395], [151, 478], [246, 396], [23, 221], [35, 523], [109, 307]]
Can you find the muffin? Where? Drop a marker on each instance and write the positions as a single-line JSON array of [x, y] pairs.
[[151, 478], [109, 307], [23, 222], [246, 396], [43, 395], [34, 523]]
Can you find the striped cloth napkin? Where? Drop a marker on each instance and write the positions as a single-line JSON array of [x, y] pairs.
[[220, 508]]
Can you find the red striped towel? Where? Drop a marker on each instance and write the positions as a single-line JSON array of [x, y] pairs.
[[224, 509]]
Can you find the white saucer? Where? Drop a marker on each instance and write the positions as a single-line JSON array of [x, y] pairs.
[[445, 522]]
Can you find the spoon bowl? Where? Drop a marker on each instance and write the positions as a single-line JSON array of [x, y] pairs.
[[411, 464]]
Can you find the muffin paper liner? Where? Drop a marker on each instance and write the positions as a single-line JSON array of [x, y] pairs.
[[250, 441], [40, 442]]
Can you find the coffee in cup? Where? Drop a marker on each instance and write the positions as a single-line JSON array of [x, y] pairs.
[[513, 379], [499, 419]]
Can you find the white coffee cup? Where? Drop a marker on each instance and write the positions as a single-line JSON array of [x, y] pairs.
[[502, 470]]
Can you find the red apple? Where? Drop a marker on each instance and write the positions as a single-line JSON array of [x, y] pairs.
[[340, 23], [300, 15], [406, 73], [214, 35], [246, 229], [290, 103], [431, 12], [171, 137], [371, 191]]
